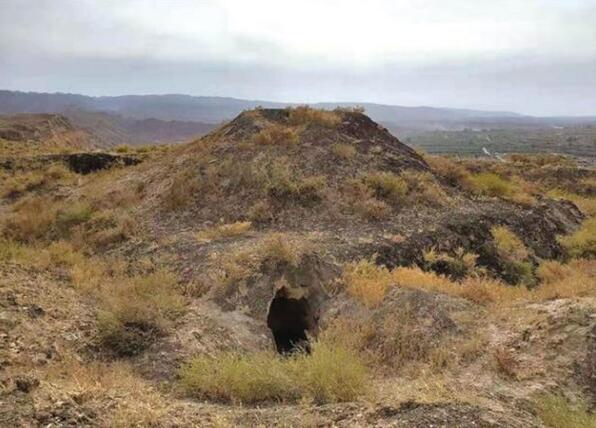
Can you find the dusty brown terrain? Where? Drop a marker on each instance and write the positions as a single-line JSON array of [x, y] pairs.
[[454, 291]]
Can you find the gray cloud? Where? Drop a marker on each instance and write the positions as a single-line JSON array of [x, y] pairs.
[[547, 65]]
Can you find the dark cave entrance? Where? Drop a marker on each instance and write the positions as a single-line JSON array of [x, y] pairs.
[[290, 320]]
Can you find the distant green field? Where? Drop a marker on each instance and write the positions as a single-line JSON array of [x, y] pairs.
[[576, 141]]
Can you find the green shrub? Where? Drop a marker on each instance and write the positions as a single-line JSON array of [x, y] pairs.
[[491, 185], [387, 185], [556, 412], [513, 254], [72, 216], [327, 374], [509, 246], [582, 243]]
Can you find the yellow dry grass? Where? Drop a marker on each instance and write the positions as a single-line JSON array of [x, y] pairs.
[[368, 282], [304, 115], [275, 134], [586, 204], [344, 151], [508, 244], [133, 401]]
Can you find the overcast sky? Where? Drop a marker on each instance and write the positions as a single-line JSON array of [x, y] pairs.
[[530, 56]]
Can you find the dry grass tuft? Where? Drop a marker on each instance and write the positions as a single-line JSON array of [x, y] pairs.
[[387, 185], [260, 212], [71, 216], [574, 279], [366, 281], [182, 190], [410, 187], [282, 186], [372, 209], [135, 309], [327, 374], [277, 135], [30, 219], [423, 189], [344, 151], [274, 248], [360, 199], [491, 184], [304, 115], [454, 173], [283, 248]]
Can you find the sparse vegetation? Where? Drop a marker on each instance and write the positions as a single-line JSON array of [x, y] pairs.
[[134, 310], [372, 209], [583, 242], [71, 216], [369, 282], [276, 135], [283, 186], [99, 383], [108, 262], [16, 184], [423, 189], [491, 184], [387, 186], [514, 256], [556, 412], [408, 187], [586, 204], [344, 151], [304, 115], [30, 219], [508, 244], [457, 266], [454, 173], [327, 374], [184, 187]]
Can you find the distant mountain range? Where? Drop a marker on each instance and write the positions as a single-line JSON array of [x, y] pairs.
[[160, 118]]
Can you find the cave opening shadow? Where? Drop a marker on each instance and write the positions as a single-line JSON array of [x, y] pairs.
[[290, 320]]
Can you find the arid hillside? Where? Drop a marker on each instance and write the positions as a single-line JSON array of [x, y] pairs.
[[38, 133], [298, 267]]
